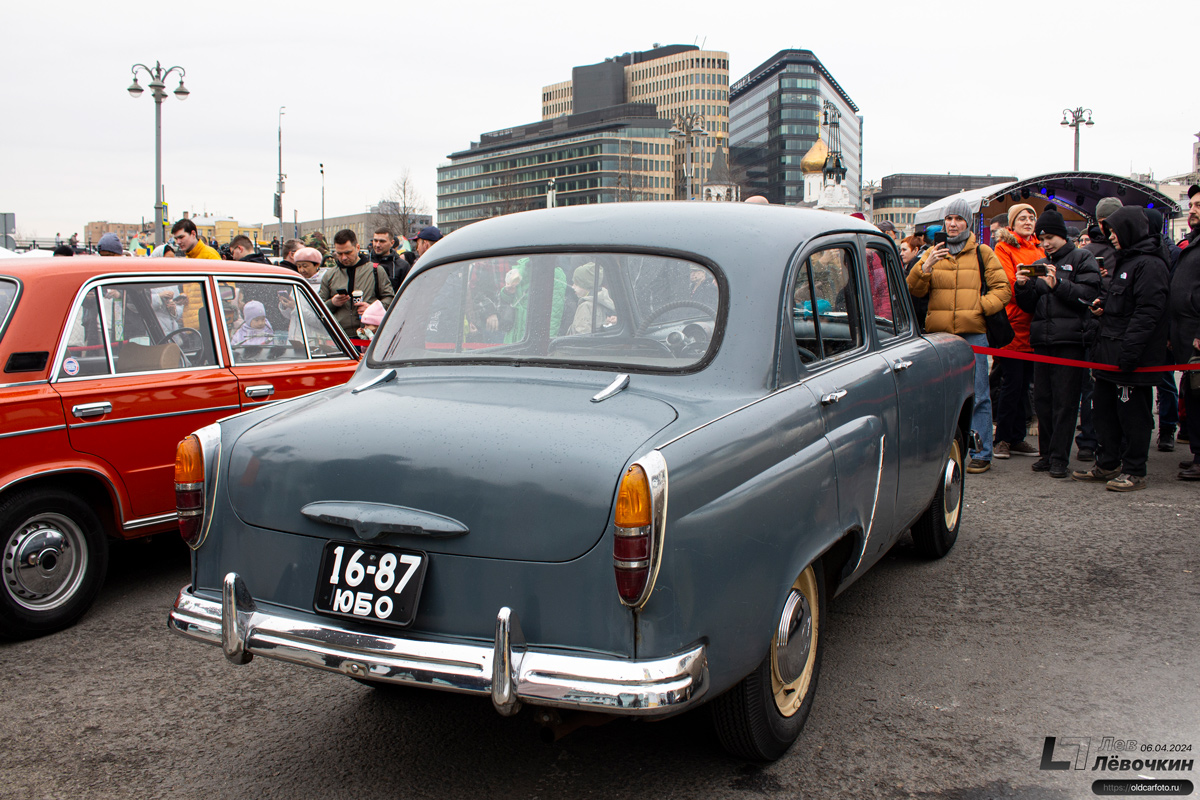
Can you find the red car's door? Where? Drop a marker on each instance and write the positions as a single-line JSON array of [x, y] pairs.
[[280, 344], [134, 380]]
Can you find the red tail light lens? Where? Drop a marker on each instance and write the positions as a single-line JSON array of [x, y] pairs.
[[189, 489], [634, 541]]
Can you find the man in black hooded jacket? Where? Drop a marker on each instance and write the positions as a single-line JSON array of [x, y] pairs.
[[1061, 327], [1133, 333], [1185, 329]]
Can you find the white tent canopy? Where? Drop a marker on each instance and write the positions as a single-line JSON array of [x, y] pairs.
[[974, 197]]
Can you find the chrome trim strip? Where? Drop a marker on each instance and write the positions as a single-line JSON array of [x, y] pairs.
[[12, 309], [383, 377], [33, 430], [874, 502], [656, 472], [588, 682], [146, 522], [152, 416], [619, 384], [111, 488], [645, 562], [24, 383], [210, 450], [110, 375]]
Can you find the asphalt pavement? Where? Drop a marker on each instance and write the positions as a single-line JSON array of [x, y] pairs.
[[1064, 611]]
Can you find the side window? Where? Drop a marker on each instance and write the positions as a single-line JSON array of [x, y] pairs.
[[86, 355], [891, 316], [157, 326], [825, 310], [321, 341], [270, 321]]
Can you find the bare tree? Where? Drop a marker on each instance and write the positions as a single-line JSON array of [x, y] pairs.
[[631, 181], [510, 198], [400, 205]]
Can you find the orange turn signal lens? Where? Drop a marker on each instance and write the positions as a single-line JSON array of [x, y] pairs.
[[189, 461], [633, 499]]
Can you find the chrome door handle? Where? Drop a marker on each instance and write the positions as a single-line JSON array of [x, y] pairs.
[[833, 397], [86, 410], [262, 390], [901, 365]]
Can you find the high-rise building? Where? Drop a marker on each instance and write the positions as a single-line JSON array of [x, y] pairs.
[[775, 118], [611, 154], [687, 86]]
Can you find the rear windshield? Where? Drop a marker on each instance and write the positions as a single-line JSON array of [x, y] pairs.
[[8, 293], [610, 309]]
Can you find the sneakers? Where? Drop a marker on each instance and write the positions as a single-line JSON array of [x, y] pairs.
[[1166, 442], [978, 465], [1085, 454], [1095, 474], [1126, 483], [1192, 473], [1059, 471], [1041, 465], [1022, 449], [1000, 450], [1186, 464]]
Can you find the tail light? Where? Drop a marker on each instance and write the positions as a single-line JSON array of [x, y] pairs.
[[189, 489], [639, 520], [196, 460]]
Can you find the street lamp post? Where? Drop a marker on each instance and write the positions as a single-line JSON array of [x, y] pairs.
[[1073, 118], [158, 90], [693, 124], [322, 166], [279, 182], [551, 194]]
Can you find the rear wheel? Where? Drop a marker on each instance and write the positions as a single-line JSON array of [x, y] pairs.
[[762, 716], [53, 556], [937, 529]]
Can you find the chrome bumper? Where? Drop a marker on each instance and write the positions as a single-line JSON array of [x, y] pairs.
[[508, 670]]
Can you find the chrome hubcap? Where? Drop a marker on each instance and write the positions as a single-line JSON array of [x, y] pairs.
[[794, 637], [44, 562], [952, 485]]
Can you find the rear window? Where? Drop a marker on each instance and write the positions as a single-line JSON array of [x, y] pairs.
[[610, 309], [8, 296]]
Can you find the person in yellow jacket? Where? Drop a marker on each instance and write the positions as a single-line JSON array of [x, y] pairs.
[[949, 273], [188, 239]]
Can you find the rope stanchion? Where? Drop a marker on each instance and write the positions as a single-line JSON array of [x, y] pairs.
[[1070, 362]]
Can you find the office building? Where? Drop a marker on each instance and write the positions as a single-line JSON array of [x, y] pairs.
[[775, 118], [612, 154], [686, 85]]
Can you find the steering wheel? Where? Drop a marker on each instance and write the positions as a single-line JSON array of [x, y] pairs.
[[663, 309], [197, 341]]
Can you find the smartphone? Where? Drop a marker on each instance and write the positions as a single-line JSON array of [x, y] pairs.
[[1038, 269], [1100, 261], [939, 238]]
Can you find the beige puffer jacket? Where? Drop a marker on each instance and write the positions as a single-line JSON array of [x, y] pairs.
[[955, 304]]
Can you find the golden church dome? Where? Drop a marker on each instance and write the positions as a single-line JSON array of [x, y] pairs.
[[814, 160]]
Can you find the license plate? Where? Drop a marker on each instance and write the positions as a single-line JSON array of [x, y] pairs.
[[370, 583]]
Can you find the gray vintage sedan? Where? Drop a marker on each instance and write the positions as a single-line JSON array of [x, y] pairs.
[[606, 459]]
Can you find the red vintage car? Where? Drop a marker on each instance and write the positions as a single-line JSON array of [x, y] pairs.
[[108, 364]]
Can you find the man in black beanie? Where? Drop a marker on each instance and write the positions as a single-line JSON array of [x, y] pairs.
[[1067, 283]]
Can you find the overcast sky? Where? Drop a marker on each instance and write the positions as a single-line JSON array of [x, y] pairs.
[[373, 88]]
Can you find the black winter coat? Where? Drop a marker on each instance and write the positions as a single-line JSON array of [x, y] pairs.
[[1104, 249], [1184, 302], [394, 265], [1062, 315], [1133, 327]]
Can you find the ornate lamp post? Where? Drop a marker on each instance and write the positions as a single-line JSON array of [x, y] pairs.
[[322, 166], [693, 124], [1073, 118], [158, 90]]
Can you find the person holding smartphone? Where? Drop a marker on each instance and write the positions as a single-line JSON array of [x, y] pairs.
[[1058, 292], [949, 274]]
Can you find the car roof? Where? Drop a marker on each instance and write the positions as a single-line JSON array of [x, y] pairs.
[[84, 267]]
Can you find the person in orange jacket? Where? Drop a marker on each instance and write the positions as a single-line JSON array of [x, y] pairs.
[[1017, 247]]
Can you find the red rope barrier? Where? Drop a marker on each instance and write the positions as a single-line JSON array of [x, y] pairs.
[[1070, 362]]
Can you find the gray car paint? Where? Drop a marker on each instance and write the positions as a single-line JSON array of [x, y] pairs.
[[755, 485]]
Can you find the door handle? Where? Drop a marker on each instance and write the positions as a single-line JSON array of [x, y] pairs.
[[85, 410], [262, 390], [833, 397], [901, 365]]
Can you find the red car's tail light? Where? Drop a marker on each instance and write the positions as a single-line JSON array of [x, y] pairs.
[[639, 520], [189, 489]]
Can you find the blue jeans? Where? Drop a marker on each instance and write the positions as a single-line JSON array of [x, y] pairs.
[[981, 419]]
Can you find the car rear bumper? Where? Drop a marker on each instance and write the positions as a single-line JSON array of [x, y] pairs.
[[507, 669]]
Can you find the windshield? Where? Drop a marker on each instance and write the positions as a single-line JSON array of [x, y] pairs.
[[8, 293], [612, 309]]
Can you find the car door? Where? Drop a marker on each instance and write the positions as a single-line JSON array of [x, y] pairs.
[[917, 372], [134, 381], [852, 383], [280, 344]]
